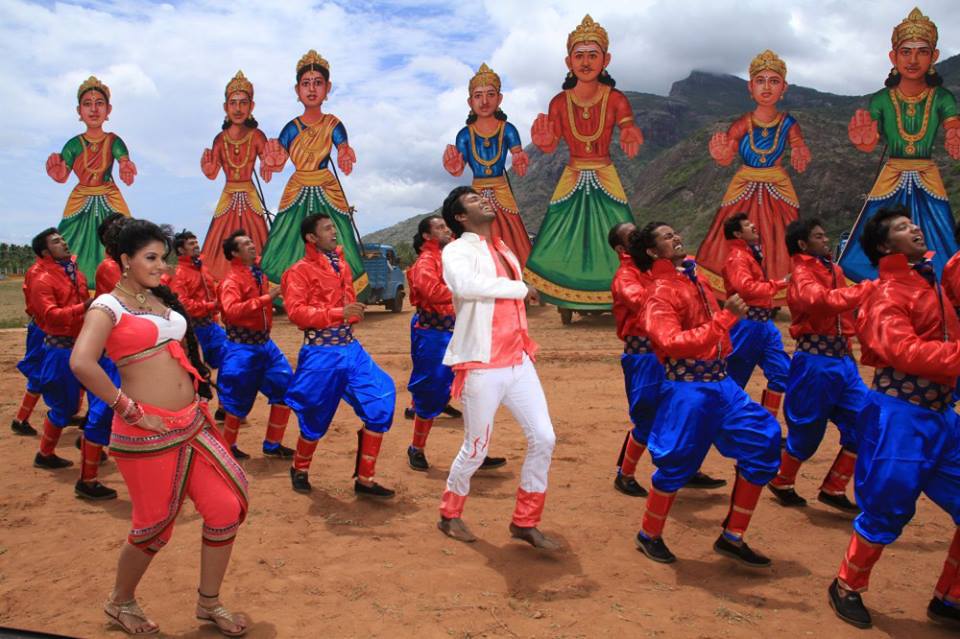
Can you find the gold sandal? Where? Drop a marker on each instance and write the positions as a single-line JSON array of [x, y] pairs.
[[131, 609], [218, 614]]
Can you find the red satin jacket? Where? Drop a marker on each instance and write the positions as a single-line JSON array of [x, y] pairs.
[[682, 322], [57, 301], [903, 324], [743, 274], [245, 304], [196, 288], [425, 279], [28, 276], [107, 275], [314, 294], [818, 297], [951, 280], [630, 288]]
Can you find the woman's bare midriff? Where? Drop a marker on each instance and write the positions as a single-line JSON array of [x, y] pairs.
[[159, 381]]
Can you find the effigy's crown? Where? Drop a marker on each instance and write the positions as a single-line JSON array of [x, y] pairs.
[[915, 26], [312, 57], [768, 61], [94, 84], [485, 77], [588, 31], [239, 82]]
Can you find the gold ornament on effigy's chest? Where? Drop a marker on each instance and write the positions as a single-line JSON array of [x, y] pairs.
[[486, 164], [237, 167], [764, 128], [896, 97], [573, 104]]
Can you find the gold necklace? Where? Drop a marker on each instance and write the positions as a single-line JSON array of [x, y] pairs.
[[589, 139], [488, 164], [236, 151], [911, 139], [91, 155], [763, 153], [140, 297]]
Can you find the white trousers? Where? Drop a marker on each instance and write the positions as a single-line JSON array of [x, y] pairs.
[[518, 388]]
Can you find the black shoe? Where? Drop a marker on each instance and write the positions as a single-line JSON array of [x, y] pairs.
[[78, 444], [51, 462], [702, 480], [374, 490], [94, 492], [300, 481], [220, 415], [943, 613], [451, 411], [77, 420], [840, 502], [417, 459], [408, 413], [24, 429], [849, 606], [787, 497], [741, 553], [629, 486], [655, 549], [489, 463], [238, 454], [280, 452]]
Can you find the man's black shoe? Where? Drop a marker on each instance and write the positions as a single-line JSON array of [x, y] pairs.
[[417, 459], [94, 491], [849, 606], [840, 502], [374, 490], [787, 496], [280, 452], [943, 613], [220, 415], [489, 463], [24, 429], [654, 549], [238, 454], [408, 413], [300, 481], [702, 480], [741, 553], [451, 411], [629, 486], [51, 462]]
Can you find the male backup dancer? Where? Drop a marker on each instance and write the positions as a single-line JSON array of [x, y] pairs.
[[909, 433], [699, 405], [32, 359], [755, 339], [951, 275], [431, 328], [320, 299], [491, 354], [251, 360], [642, 371], [824, 382]]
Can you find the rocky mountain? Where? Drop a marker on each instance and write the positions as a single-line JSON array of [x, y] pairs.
[[674, 179]]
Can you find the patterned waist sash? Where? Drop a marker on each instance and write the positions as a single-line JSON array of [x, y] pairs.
[[426, 319], [829, 345], [337, 336], [183, 426], [634, 345], [912, 388], [696, 370], [242, 335], [59, 341], [759, 314]]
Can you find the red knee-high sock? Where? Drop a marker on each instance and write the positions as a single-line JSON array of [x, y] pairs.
[[368, 448], [743, 501], [421, 428], [51, 435], [655, 514], [277, 423], [231, 428], [789, 467], [948, 586], [771, 400], [630, 455], [835, 483], [90, 456], [855, 568], [304, 454], [26, 406]]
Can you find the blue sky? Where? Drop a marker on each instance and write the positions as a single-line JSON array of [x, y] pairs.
[[399, 71]]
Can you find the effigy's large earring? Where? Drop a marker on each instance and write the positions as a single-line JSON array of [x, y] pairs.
[[931, 71], [569, 74], [894, 71]]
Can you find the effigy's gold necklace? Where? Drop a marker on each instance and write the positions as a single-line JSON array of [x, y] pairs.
[[911, 139], [140, 297], [487, 164]]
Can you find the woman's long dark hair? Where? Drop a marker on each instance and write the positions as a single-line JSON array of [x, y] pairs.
[[128, 236], [250, 123], [500, 115], [605, 78], [933, 79]]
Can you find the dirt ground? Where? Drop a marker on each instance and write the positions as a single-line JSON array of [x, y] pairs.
[[329, 565]]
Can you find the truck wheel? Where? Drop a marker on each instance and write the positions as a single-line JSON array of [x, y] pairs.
[[566, 316], [396, 304]]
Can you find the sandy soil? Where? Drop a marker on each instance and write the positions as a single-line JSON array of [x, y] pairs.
[[329, 565]]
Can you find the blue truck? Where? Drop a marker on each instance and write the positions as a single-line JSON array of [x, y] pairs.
[[387, 283]]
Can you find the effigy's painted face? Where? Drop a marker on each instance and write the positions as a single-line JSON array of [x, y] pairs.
[[439, 231], [93, 108], [913, 59], [905, 237], [767, 87], [147, 265], [669, 245], [587, 61], [484, 101], [238, 107], [313, 89]]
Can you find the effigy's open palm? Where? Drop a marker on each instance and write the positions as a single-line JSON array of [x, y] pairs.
[[951, 142], [542, 133], [521, 162], [452, 160], [57, 168], [346, 158], [720, 149], [209, 164], [862, 131], [274, 155], [128, 171], [631, 138], [800, 157]]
